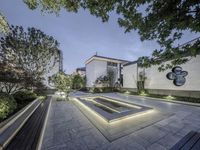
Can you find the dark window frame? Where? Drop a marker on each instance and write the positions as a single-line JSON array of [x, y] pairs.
[[113, 64]]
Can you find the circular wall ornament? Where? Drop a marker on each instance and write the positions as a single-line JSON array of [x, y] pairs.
[[177, 75]]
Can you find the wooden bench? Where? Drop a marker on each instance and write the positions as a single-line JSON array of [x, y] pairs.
[[189, 142]]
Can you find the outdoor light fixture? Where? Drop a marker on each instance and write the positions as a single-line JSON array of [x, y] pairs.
[[169, 97], [143, 93], [127, 92]]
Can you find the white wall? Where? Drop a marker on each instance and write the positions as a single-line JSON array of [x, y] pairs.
[[130, 76], [95, 69], [158, 80]]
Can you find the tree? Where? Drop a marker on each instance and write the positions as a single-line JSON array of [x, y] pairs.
[[61, 82], [141, 81], [33, 51], [11, 79], [159, 20], [111, 77], [4, 27], [78, 82], [101, 80]]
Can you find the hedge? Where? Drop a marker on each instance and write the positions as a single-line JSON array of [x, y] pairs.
[[25, 96], [7, 105]]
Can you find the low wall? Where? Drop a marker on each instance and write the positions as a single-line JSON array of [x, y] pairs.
[[129, 89], [193, 94]]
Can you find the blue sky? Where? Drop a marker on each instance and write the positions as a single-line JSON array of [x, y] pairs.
[[81, 35]]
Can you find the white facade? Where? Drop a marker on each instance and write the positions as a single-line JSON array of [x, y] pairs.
[[98, 66], [156, 80], [95, 69], [130, 76]]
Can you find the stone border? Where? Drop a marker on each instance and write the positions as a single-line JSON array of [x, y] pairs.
[[39, 145], [116, 130], [114, 117], [3, 124], [183, 93], [6, 123], [7, 137], [165, 100]]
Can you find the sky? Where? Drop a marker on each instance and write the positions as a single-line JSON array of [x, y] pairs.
[[81, 35]]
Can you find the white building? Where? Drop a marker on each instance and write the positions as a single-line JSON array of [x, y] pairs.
[[183, 80], [98, 66]]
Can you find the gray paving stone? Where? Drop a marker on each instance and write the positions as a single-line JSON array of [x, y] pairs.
[[151, 134], [169, 140], [58, 147], [67, 128], [90, 142], [156, 146], [139, 140]]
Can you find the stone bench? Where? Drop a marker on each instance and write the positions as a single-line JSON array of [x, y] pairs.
[[31, 134], [11, 126]]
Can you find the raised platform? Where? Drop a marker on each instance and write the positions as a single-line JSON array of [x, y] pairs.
[[112, 110], [119, 127]]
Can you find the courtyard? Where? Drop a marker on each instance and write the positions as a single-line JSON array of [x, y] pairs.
[[99, 75], [68, 128]]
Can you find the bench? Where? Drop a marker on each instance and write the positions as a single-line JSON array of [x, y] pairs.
[[189, 142], [10, 127], [28, 138]]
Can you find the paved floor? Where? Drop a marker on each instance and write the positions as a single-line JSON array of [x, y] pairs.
[[67, 128]]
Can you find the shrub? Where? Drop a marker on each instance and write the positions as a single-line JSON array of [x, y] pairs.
[[116, 90], [7, 105], [107, 89], [84, 89], [40, 92], [78, 82], [61, 82], [61, 99], [23, 97], [103, 90], [97, 90], [42, 98]]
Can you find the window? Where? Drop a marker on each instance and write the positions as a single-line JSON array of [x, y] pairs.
[[112, 64]]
